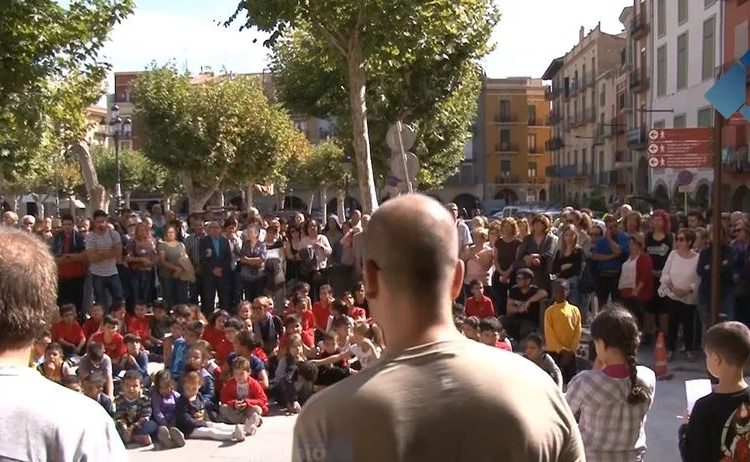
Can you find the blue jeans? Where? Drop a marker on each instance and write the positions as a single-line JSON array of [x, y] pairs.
[[574, 295], [142, 285], [173, 291], [107, 289]]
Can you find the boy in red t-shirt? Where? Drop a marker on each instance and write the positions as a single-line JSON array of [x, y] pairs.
[[322, 310], [491, 333], [478, 304], [139, 325], [118, 312], [94, 323], [67, 332], [114, 345], [305, 315], [292, 326], [354, 312]]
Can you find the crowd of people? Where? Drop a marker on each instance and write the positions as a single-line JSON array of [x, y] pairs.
[[139, 329]]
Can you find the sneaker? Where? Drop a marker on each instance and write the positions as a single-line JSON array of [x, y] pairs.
[[239, 433], [178, 439], [165, 440], [251, 424]]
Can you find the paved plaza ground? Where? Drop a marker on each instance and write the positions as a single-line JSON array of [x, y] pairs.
[[273, 442]]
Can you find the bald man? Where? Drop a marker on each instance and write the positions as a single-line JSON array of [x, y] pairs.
[[435, 395]]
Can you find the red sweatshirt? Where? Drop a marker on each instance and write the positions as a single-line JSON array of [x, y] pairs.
[[91, 327], [256, 395], [138, 326], [71, 333], [482, 309]]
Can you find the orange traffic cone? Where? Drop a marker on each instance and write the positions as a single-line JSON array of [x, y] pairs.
[[660, 359]]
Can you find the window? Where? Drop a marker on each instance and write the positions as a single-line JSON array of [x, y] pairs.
[[575, 158], [659, 124], [682, 61], [740, 39], [661, 71], [584, 159], [705, 117], [531, 140], [709, 48], [603, 95], [504, 139], [531, 110], [601, 161], [532, 170], [505, 168], [621, 100], [661, 17], [680, 121], [682, 11], [504, 109]]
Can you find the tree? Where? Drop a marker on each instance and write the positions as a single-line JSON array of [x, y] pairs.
[[50, 72], [324, 170], [136, 171], [418, 44], [219, 131]]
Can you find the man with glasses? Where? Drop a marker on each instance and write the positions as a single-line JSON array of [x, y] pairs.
[[610, 251]]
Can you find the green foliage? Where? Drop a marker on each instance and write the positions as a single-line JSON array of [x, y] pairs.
[[50, 72], [325, 167], [136, 170], [221, 131]]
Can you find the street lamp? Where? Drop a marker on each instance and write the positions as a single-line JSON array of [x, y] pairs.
[[118, 125]]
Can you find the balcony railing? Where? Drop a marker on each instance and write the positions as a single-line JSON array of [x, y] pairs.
[[505, 118], [551, 93], [555, 143], [537, 122], [639, 80], [637, 137], [535, 150], [506, 147], [639, 25], [507, 178], [533, 179]]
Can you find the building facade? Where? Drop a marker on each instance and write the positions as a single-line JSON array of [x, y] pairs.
[[686, 52], [736, 133], [581, 165], [516, 120]]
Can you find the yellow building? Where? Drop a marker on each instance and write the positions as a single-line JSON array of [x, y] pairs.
[[517, 131]]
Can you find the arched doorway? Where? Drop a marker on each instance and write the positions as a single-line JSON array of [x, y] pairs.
[[350, 204], [508, 195], [467, 202], [661, 196], [641, 179], [702, 195], [294, 203], [741, 199], [543, 195]]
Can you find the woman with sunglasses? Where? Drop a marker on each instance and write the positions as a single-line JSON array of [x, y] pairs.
[[679, 289]]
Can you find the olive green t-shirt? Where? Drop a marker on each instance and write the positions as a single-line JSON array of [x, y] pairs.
[[455, 400]]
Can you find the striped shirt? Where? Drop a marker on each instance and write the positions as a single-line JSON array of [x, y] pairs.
[[612, 429], [103, 242]]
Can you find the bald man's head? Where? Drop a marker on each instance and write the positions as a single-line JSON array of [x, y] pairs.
[[412, 242]]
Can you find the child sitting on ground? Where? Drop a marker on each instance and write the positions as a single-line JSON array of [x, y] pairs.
[[478, 304], [214, 332], [491, 333], [94, 323], [471, 328], [192, 418], [293, 326], [39, 348], [72, 382], [366, 352], [139, 324], [54, 366], [159, 327], [339, 310], [180, 345], [197, 360], [305, 315], [118, 312], [111, 339], [355, 312], [244, 346], [93, 387], [328, 374], [322, 310], [133, 412], [244, 313], [719, 420], [243, 400], [135, 358], [68, 333], [286, 374], [619, 394], [534, 352], [163, 402], [562, 330], [96, 361], [223, 350]]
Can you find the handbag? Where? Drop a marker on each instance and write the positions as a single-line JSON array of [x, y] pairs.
[[188, 272]]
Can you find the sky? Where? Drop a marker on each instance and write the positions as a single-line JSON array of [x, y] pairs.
[[530, 34]]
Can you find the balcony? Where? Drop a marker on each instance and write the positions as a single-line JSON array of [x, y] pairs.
[[622, 160], [507, 178], [551, 93], [555, 144], [506, 119], [639, 27], [618, 128], [638, 80], [637, 138], [536, 180], [573, 171], [535, 150], [506, 147], [536, 122]]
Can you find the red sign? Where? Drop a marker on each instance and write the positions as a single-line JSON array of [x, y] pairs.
[[680, 147]]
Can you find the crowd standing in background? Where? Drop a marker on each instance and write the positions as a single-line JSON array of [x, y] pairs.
[[244, 309]]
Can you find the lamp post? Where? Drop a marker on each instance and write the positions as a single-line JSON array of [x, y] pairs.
[[118, 125]]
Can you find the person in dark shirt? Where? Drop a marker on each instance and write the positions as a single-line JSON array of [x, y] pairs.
[[523, 306], [719, 425], [659, 243]]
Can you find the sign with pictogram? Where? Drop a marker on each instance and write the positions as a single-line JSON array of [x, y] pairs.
[[682, 148]]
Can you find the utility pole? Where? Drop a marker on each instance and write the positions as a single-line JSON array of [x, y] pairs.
[[716, 226]]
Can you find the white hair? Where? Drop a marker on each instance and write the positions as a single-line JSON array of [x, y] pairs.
[[29, 217]]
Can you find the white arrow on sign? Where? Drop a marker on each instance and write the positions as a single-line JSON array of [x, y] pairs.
[[653, 135], [653, 148], [653, 162]]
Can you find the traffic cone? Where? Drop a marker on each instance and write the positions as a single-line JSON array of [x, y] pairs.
[[660, 359]]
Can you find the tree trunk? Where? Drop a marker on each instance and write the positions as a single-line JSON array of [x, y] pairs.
[[72, 206], [197, 202], [358, 106], [39, 200], [127, 199], [341, 205], [96, 192], [249, 195], [310, 204], [324, 203]]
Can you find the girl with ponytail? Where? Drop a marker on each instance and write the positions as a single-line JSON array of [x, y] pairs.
[[611, 403]]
